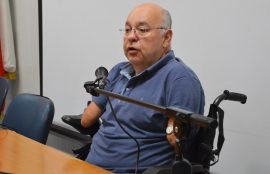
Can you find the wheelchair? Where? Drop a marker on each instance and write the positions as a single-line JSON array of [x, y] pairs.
[[196, 158]]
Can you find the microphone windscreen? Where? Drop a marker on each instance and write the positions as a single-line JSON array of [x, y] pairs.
[[101, 72]]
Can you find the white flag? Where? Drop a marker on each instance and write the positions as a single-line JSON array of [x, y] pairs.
[[6, 37]]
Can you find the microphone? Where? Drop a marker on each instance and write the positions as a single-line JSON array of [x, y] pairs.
[[101, 74]]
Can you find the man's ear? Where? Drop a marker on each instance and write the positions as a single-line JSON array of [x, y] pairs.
[[167, 38]]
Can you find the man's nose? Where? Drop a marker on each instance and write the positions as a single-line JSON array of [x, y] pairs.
[[132, 35]]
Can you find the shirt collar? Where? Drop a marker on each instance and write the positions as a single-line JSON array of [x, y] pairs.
[[161, 62], [127, 70]]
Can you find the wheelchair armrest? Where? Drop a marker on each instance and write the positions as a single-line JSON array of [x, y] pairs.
[[82, 151], [75, 122]]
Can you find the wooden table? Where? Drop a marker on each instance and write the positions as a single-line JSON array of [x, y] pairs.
[[21, 155]]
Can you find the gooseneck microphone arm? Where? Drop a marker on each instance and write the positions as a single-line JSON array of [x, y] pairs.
[[96, 87], [181, 114]]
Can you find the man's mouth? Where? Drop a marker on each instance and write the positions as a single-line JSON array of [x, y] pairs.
[[132, 49]]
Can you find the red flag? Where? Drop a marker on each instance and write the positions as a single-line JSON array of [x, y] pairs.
[[2, 71]]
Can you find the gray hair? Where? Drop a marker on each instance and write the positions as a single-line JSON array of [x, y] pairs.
[[167, 19]]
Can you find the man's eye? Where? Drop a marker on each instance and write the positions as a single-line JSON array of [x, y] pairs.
[[143, 30], [127, 30]]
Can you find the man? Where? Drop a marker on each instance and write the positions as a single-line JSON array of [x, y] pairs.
[[152, 74]]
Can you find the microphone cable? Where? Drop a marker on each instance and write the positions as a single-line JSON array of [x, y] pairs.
[[137, 143]]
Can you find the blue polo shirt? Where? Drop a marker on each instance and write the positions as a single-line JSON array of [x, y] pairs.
[[168, 82]]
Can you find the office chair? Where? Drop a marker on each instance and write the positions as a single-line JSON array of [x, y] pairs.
[[30, 115], [3, 91]]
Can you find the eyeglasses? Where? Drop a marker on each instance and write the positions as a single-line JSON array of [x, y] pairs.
[[140, 31]]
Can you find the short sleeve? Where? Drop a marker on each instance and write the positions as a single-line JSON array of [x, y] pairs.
[[186, 93]]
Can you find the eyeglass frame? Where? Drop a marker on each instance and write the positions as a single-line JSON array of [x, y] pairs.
[[141, 32]]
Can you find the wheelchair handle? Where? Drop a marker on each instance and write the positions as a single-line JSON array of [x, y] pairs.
[[232, 96]]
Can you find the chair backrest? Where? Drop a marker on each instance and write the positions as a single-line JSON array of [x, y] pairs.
[[30, 115], [3, 90]]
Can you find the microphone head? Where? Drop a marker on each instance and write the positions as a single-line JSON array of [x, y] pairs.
[[101, 72]]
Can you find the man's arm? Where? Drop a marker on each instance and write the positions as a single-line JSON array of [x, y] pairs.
[[90, 115]]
